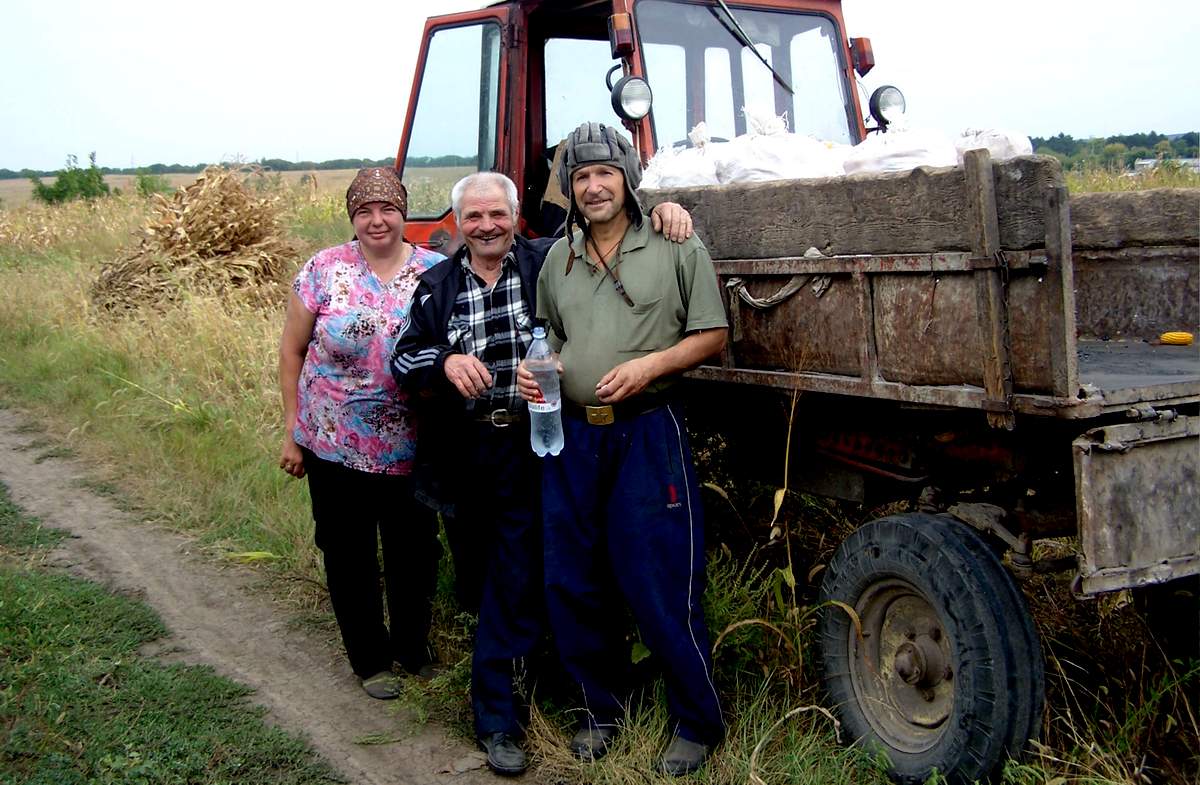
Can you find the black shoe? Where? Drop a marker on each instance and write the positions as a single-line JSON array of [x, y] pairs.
[[503, 755], [593, 741], [683, 757]]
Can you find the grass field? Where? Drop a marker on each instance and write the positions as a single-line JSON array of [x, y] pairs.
[[79, 705], [16, 193], [178, 409]]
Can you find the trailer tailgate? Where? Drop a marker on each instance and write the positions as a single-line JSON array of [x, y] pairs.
[[1138, 503]]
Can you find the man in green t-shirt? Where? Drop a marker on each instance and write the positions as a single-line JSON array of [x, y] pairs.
[[629, 313]]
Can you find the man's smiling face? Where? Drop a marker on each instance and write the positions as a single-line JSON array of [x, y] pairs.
[[487, 222]]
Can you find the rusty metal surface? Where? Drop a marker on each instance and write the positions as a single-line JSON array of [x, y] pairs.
[[877, 263], [803, 333], [954, 396], [1137, 293], [1138, 503]]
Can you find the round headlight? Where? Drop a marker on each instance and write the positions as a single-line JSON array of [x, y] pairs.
[[887, 104], [631, 98]]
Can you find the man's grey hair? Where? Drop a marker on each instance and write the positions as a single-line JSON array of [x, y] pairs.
[[480, 181]]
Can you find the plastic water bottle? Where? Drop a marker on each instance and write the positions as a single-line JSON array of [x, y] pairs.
[[545, 419]]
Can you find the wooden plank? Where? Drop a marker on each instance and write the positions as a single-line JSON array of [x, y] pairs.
[[1160, 216], [905, 212], [1060, 277], [991, 288], [868, 354]]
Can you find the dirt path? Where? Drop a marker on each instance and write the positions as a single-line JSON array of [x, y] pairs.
[[219, 619]]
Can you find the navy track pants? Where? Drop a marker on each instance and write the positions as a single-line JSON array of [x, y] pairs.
[[623, 523]]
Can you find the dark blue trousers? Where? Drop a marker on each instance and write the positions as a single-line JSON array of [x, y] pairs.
[[498, 508], [623, 523]]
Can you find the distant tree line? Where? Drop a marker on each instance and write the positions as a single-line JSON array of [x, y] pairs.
[[274, 164], [1117, 151], [1121, 150]]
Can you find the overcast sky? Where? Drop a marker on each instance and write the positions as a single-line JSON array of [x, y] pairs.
[[154, 82]]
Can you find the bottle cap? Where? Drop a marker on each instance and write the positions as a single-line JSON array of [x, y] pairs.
[[539, 332]]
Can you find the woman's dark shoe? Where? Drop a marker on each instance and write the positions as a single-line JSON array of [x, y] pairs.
[[592, 741], [504, 756], [683, 757], [383, 686]]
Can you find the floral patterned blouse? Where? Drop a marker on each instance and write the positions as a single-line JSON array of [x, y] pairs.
[[349, 409]]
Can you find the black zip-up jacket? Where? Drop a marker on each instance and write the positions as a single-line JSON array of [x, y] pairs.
[[418, 365]]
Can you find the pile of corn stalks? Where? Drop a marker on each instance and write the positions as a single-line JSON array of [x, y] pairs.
[[218, 236]]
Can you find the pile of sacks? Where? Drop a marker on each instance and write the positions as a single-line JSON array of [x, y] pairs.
[[769, 152]]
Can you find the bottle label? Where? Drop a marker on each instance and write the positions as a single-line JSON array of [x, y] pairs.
[[545, 407]]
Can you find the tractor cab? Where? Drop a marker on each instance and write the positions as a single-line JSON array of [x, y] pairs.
[[499, 88]]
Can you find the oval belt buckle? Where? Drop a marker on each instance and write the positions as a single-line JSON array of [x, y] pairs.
[[500, 418]]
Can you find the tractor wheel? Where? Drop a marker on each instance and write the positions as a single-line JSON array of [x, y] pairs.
[[947, 674]]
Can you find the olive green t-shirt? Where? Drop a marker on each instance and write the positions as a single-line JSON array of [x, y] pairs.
[[673, 287]]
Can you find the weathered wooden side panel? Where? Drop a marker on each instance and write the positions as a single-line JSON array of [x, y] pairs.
[[1125, 219], [908, 212], [1137, 293], [909, 276]]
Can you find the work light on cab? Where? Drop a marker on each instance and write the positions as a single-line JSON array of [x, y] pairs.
[[631, 98], [887, 105]]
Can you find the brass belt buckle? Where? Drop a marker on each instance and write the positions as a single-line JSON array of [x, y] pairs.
[[500, 418], [599, 415]]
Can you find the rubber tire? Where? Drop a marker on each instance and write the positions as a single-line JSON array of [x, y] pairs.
[[999, 678], [1029, 664]]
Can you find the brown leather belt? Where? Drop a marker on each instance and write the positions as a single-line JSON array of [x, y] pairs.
[[607, 414]]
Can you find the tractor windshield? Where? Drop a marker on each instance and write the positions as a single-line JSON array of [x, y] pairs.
[[701, 66]]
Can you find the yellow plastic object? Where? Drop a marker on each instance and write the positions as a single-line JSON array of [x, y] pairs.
[[1176, 338]]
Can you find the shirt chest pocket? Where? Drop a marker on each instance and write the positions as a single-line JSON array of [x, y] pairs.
[[643, 327]]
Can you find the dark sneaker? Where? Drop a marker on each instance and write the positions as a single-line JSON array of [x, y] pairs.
[[683, 757], [383, 685], [430, 671], [592, 741], [503, 755]]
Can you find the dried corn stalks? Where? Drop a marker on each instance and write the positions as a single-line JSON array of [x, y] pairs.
[[218, 236]]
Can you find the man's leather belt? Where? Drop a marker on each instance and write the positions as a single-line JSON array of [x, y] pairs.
[[502, 418], [618, 412]]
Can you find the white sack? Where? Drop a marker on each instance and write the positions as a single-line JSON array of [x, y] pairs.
[[1001, 144], [901, 149], [757, 158], [677, 167]]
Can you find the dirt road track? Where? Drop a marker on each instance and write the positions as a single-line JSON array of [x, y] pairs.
[[219, 619]]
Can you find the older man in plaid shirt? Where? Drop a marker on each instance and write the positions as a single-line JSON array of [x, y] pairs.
[[470, 326]]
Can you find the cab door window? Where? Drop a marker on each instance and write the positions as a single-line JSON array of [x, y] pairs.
[[454, 126]]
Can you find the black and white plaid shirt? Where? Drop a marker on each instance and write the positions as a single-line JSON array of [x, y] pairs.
[[495, 326]]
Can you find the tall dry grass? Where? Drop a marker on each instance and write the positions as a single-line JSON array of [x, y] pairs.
[[1100, 178]]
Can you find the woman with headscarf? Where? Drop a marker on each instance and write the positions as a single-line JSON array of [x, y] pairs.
[[348, 427]]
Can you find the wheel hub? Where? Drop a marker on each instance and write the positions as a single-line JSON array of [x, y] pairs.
[[902, 666], [920, 662]]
